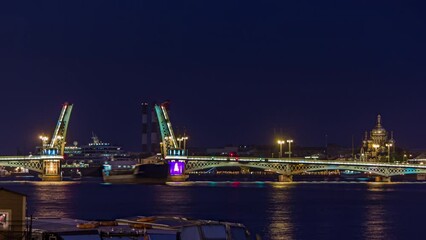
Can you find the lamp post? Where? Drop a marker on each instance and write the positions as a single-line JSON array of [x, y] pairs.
[[44, 140], [376, 146], [281, 142], [389, 145], [290, 141], [184, 142], [180, 141]]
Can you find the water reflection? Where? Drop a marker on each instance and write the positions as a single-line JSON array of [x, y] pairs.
[[380, 186], [275, 210], [279, 213], [173, 201], [376, 223], [51, 197]]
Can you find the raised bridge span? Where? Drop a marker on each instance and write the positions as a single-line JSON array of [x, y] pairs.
[[286, 167], [48, 161]]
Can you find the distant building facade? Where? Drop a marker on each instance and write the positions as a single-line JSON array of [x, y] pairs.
[[377, 146], [150, 130]]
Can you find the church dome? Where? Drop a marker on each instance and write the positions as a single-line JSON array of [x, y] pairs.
[[378, 130]]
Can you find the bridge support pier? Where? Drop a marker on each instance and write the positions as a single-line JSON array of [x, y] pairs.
[[47, 178], [285, 178], [177, 178], [51, 170], [382, 179], [177, 171]]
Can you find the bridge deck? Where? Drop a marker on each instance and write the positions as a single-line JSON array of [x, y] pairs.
[[303, 161]]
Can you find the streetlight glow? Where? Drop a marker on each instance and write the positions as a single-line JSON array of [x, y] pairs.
[[44, 140], [281, 142], [184, 142], [389, 145], [180, 141], [290, 141]]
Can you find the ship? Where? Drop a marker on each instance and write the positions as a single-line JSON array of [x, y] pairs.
[[349, 175], [155, 169], [88, 160], [152, 170]]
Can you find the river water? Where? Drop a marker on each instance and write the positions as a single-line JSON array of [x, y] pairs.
[[321, 210]]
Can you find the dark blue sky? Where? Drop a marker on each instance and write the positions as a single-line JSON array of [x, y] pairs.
[[233, 70]]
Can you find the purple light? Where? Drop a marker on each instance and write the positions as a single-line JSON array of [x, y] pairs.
[[176, 168]]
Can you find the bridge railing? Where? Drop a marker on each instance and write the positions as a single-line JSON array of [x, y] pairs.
[[303, 161], [30, 157]]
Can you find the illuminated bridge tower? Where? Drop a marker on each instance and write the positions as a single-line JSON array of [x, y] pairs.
[[169, 148], [52, 167]]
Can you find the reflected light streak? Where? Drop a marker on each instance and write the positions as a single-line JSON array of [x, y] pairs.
[[376, 223], [281, 226], [52, 196]]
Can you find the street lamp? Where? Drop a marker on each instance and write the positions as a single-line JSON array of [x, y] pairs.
[[376, 147], [290, 141], [180, 141], [281, 142], [44, 140], [184, 142], [389, 145]]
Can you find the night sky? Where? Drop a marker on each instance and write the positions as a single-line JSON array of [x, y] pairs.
[[233, 70]]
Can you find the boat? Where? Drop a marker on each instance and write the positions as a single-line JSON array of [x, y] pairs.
[[88, 160], [74, 176], [152, 170], [4, 172], [350, 175], [138, 227]]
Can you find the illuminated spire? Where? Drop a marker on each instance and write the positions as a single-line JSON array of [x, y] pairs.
[[379, 120]]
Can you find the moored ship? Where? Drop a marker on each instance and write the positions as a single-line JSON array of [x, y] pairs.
[[152, 170], [88, 160]]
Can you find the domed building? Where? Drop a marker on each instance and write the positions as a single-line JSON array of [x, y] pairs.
[[378, 146]]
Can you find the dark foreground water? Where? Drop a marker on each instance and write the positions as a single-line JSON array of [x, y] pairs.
[[274, 210]]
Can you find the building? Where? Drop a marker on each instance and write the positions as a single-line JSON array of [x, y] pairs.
[[12, 214], [150, 130], [379, 146]]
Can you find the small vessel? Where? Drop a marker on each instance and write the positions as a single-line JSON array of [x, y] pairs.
[[138, 227], [350, 175], [152, 170], [4, 172]]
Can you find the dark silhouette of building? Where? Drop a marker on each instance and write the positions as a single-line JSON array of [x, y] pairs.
[[150, 130]]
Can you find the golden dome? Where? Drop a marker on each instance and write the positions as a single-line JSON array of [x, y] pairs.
[[378, 130]]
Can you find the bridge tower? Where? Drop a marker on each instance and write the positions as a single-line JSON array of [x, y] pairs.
[[52, 167], [169, 147]]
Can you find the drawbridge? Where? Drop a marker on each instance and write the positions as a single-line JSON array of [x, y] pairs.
[[181, 164], [48, 161]]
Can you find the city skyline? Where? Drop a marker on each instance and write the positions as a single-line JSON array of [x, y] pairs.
[[233, 72], [277, 135]]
